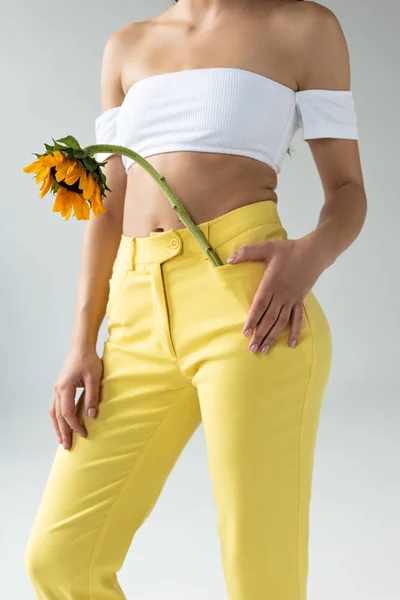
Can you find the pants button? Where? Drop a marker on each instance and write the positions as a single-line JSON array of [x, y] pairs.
[[174, 243]]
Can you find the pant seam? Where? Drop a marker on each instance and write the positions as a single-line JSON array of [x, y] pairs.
[[135, 466], [299, 453]]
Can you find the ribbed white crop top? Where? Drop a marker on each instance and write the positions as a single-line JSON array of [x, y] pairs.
[[224, 110]]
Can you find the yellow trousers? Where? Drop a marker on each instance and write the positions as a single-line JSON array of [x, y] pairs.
[[176, 357]]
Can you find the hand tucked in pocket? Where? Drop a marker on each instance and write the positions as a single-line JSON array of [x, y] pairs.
[[292, 268]]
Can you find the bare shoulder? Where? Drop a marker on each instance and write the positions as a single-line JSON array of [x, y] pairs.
[[136, 30], [310, 19], [309, 14], [319, 44], [128, 34], [115, 50]]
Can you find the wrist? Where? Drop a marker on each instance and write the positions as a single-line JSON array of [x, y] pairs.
[[318, 249], [83, 341], [85, 330], [82, 345]]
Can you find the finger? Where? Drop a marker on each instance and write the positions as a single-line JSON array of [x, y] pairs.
[[68, 409], [296, 324], [92, 385], [63, 425], [276, 330], [259, 251], [260, 303], [66, 432], [52, 413], [266, 323]]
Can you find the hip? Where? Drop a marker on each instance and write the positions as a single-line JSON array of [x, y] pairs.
[[165, 280]]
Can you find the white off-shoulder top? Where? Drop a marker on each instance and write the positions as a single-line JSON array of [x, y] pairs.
[[224, 110]]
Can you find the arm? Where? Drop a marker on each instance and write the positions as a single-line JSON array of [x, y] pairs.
[[83, 367], [293, 266], [103, 233], [326, 65]]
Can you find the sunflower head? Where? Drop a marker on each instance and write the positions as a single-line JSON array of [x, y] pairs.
[[73, 176]]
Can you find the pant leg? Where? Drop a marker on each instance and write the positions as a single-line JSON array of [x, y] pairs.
[[260, 415], [100, 491]]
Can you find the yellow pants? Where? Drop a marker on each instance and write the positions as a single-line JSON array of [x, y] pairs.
[[175, 357]]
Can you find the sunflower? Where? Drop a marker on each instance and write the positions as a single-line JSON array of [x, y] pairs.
[[74, 176]]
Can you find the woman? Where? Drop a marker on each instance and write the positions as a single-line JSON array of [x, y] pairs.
[[212, 91]]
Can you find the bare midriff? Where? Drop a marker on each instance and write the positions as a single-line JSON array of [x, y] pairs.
[[207, 185]]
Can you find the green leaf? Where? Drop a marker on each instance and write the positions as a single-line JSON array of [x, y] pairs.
[[54, 186], [69, 151], [69, 140], [49, 148], [90, 163], [57, 146]]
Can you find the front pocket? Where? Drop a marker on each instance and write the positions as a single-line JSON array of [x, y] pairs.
[[240, 281], [266, 232], [237, 285]]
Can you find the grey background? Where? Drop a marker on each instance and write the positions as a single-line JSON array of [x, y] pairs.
[[50, 72]]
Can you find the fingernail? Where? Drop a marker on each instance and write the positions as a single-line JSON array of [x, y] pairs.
[[92, 412], [247, 332], [231, 258], [253, 348], [292, 343], [65, 445], [265, 349]]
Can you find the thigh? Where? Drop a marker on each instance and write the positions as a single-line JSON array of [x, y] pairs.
[[260, 416], [100, 491]]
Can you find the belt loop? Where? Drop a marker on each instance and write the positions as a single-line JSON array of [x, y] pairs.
[[133, 252]]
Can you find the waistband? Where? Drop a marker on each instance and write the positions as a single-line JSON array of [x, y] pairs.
[[160, 246]]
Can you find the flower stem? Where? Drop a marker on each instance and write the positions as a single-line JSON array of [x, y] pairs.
[[163, 184]]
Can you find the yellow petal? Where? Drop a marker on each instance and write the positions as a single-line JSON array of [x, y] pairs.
[[85, 209], [71, 165], [90, 186], [59, 157], [58, 205], [97, 204], [60, 173], [67, 214], [32, 167], [81, 208], [77, 206], [83, 184], [72, 176], [63, 203], [46, 185], [49, 160], [62, 169], [69, 199], [94, 201], [41, 174]]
